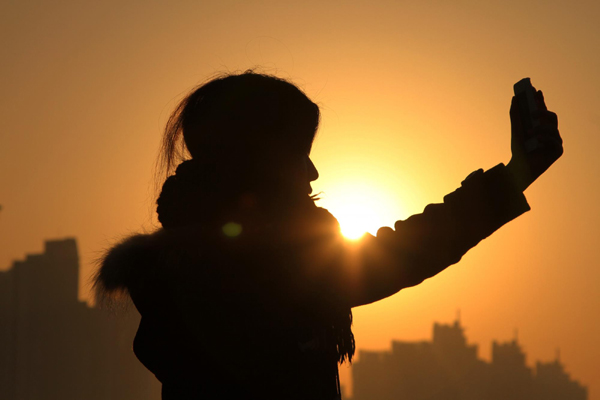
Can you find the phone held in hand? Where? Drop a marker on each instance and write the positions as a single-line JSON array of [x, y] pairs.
[[525, 94]]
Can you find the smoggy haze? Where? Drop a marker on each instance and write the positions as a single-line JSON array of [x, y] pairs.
[[414, 97]]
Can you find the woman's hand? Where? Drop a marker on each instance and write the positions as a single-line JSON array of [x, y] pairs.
[[527, 166]]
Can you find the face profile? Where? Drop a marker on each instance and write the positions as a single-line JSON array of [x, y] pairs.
[[311, 171], [303, 174]]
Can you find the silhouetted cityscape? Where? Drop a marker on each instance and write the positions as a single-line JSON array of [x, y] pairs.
[[52, 346], [448, 368]]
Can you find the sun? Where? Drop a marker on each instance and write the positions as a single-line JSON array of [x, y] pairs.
[[355, 220], [360, 208]]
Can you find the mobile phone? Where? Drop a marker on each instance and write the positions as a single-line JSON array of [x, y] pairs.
[[525, 94]]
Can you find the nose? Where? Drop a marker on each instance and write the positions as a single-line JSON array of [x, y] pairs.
[[311, 170]]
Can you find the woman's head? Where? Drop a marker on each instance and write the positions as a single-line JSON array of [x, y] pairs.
[[247, 113], [254, 130]]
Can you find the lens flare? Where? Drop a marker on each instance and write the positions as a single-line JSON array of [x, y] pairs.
[[232, 229]]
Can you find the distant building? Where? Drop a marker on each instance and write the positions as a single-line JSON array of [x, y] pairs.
[[447, 368], [553, 383], [53, 346]]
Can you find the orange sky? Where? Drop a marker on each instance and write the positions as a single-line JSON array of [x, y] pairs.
[[414, 97]]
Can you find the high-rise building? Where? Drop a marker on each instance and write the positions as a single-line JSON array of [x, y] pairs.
[[52, 346], [448, 368], [553, 383]]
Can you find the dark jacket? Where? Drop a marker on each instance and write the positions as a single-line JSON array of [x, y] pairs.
[[253, 316]]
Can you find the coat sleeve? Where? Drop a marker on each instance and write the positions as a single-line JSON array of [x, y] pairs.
[[421, 246]]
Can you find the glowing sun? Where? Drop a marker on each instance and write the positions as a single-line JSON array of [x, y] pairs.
[[354, 220], [359, 208]]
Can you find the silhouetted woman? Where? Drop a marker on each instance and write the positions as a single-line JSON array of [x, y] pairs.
[[246, 292]]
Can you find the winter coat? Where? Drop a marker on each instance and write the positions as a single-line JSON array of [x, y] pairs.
[[255, 316]]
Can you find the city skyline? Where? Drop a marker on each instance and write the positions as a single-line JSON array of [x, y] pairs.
[[39, 293], [448, 367], [54, 346]]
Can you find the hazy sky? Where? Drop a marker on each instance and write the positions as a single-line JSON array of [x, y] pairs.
[[414, 96]]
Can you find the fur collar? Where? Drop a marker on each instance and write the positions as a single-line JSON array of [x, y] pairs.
[[137, 257], [124, 263]]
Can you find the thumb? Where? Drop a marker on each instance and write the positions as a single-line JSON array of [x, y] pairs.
[[516, 123]]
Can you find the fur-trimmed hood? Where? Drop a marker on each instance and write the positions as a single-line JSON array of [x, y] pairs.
[[126, 263], [268, 269], [137, 259]]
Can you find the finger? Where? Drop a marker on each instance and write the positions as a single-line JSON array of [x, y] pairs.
[[386, 234], [551, 118], [552, 147], [515, 117], [546, 117], [548, 133], [513, 107], [539, 98], [554, 141]]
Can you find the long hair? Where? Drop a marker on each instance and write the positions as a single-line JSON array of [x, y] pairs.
[[248, 112], [240, 131]]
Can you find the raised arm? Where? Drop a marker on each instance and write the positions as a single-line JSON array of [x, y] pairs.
[[427, 243]]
